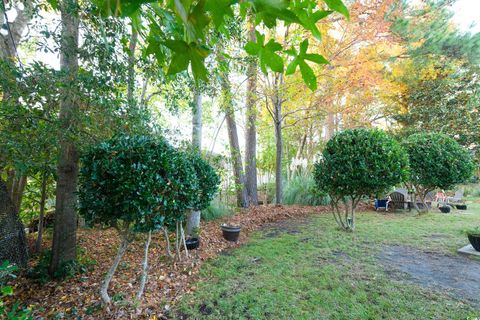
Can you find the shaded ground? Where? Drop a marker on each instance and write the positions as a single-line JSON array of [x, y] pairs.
[[77, 296], [458, 275]]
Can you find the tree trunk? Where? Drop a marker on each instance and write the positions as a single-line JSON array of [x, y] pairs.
[[43, 197], [193, 222], [108, 277], [234, 144], [330, 128], [277, 119], [193, 217], [131, 68], [251, 129], [7, 47], [197, 120], [13, 245], [17, 192], [65, 227], [143, 278], [278, 160]]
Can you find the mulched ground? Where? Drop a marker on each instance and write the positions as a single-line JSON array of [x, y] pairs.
[[167, 281]]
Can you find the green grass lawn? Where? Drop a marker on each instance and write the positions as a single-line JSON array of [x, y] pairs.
[[319, 272]]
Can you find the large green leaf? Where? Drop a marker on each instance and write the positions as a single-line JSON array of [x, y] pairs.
[[338, 6], [308, 75]]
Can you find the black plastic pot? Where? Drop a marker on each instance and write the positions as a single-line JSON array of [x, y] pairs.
[[192, 243], [474, 241], [461, 206], [230, 233], [445, 209]]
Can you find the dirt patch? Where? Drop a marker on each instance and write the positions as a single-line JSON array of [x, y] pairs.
[[291, 226], [457, 275]]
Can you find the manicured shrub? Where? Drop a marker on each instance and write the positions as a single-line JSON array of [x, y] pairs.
[[356, 163], [207, 181], [437, 162], [135, 184]]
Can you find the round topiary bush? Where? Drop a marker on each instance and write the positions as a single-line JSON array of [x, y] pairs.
[[356, 163], [437, 162], [135, 184]]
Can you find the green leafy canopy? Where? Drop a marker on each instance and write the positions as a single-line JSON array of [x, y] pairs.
[[184, 28], [359, 162], [437, 161]]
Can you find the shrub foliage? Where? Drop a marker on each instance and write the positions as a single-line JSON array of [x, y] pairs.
[[356, 163], [437, 162], [139, 180]]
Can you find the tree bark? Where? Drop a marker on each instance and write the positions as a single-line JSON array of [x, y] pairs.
[[17, 192], [17, 27], [193, 222], [167, 240], [193, 217], [65, 227], [330, 127], [197, 120], [13, 245], [277, 118], [43, 197], [234, 144], [251, 129], [143, 278], [131, 68], [108, 277]]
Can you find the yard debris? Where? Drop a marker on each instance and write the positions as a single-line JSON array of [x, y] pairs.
[[168, 280]]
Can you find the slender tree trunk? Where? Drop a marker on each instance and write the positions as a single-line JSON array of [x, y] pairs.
[[193, 216], [330, 128], [167, 239], [277, 118], [234, 144], [43, 197], [197, 120], [143, 278], [65, 227], [131, 68], [278, 162], [108, 277], [17, 194], [251, 130]]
